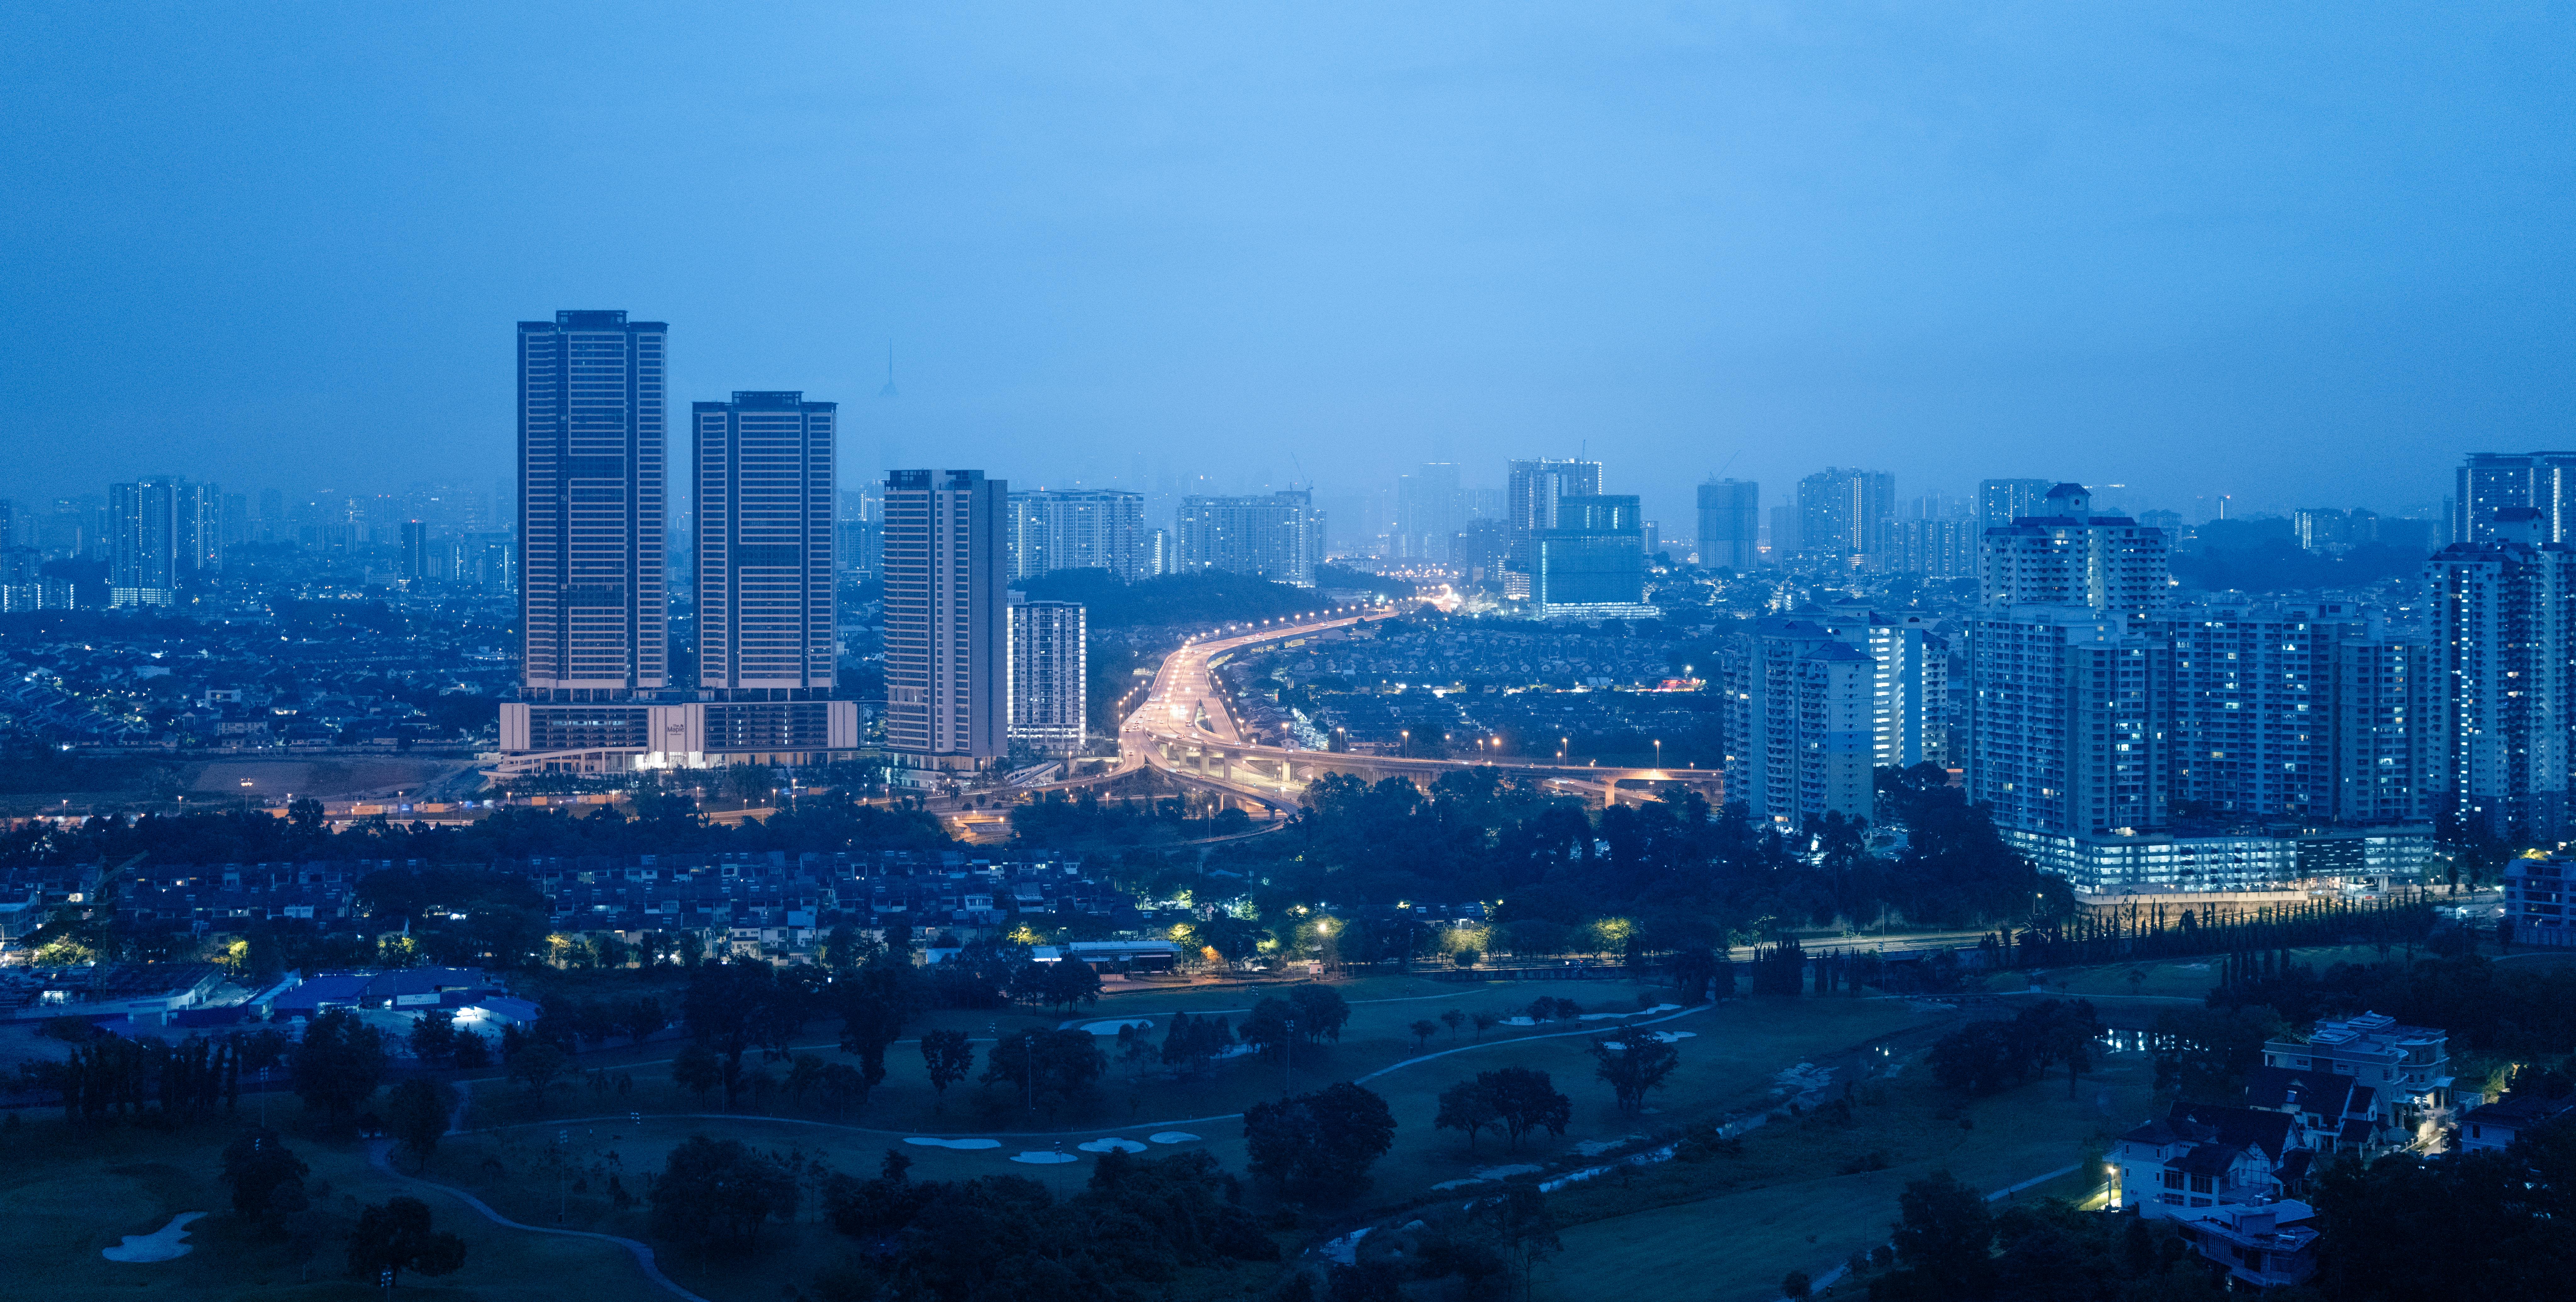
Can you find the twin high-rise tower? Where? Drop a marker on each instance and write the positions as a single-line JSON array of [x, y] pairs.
[[597, 691]]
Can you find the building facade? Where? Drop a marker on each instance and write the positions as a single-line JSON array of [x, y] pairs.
[[2068, 556], [2504, 629], [1800, 705], [1279, 537], [1591, 562], [1909, 684], [765, 581], [1049, 708], [1079, 529], [594, 502], [2002, 501], [1939, 549], [1429, 508], [2065, 719], [1843, 513], [1531, 490], [947, 623], [144, 558], [2488, 482], [1730, 524]]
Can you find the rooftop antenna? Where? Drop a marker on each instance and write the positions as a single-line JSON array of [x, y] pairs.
[[889, 390]]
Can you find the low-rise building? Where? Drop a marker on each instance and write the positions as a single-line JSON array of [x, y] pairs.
[[2536, 907], [2408, 1068], [2209, 1155], [2496, 1125]]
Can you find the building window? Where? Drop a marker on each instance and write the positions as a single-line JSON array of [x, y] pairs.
[[2200, 1184]]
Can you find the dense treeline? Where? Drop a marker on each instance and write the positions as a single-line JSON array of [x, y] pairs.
[[661, 823], [1678, 871], [2487, 1006]]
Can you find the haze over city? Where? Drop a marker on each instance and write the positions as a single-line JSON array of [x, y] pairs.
[[2292, 256]]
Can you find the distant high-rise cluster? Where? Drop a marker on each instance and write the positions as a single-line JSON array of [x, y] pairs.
[[1080, 529], [1278, 536], [1730, 524]]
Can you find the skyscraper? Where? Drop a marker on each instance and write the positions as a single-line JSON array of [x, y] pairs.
[[1844, 513], [1909, 686], [1730, 524], [1078, 529], [144, 560], [2382, 726], [1531, 490], [2068, 556], [947, 623], [2504, 693], [1048, 664], [2002, 501], [2252, 722], [1428, 511], [765, 586], [2489, 482], [593, 491], [1942, 549], [1279, 537], [1591, 561], [415, 549]]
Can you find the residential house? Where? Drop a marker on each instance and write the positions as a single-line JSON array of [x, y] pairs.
[[2408, 1068], [2496, 1125]]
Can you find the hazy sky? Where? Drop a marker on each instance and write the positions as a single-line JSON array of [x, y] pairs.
[[2294, 253]]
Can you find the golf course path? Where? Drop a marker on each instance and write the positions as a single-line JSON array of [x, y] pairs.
[[379, 1154]]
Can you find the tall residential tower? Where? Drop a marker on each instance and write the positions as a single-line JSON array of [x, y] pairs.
[[594, 498]]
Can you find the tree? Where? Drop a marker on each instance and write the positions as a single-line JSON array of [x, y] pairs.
[[1266, 1026], [538, 1066], [1526, 1100], [1321, 1013], [640, 1017], [1468, 1106], [1234, 939], [416, 1114], [947, 1056], [874, 1002], [433, 1037], [267, 1180], [1070, 982], [472, 1051], [1634, 1065], [1423, 1030], [1485, 1021], [1453, 1019], [396, 1236], [1191, 1043], [735, 1007], [718, 1193], [1943, 1243], [1692, 971], [698, 1070], [339, 1063], [842, 1086], [1319, 1144], [1049, 1067]]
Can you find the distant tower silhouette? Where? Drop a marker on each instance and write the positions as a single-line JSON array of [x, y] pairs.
[[889, 390]]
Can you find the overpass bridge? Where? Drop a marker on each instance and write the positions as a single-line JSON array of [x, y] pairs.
[[1186, 728]]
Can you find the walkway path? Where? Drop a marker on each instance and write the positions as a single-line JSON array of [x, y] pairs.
[[378, 1155]]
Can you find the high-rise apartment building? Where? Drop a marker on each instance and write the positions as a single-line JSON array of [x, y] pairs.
[[2488, 482], [415, 550], [1279, 537], [1730, 524], [1480, 551], [2068, 556], [1844, 513], [1531, 490], [1941, 549], [763, 492], [2252, 722], [2504, 692], [947, 621], [2002, 501], [1078, 529], [1591, 561], [1428, 511], [1909, 684], [1800, 705], [2383, 726], [1048, 664], [144, 559], [594, 497], [2065, 723]]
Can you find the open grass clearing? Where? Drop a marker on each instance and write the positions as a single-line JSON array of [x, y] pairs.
[[1737, 1225]]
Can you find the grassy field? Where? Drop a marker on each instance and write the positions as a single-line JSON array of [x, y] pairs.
[[1735, 1226], [71, 1193]]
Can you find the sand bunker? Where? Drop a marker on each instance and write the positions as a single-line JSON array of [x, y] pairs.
[[1173, 1137], [160, 1245], [1112, 1144]]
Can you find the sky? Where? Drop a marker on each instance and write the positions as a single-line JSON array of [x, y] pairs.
[[2295, 254]]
